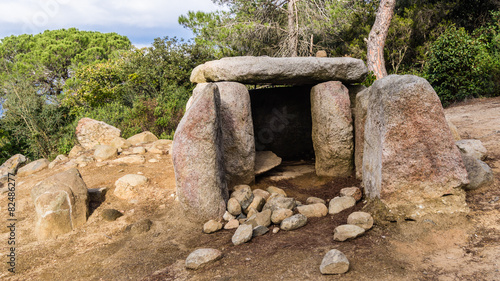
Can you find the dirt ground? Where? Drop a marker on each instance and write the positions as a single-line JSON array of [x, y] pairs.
[[452, 249]]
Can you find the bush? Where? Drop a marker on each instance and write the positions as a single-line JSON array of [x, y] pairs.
[[459, 67]]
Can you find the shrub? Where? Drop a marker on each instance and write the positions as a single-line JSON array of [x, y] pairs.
[[459, 66]]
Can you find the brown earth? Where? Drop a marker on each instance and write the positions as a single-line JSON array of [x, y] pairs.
[[434, 249]]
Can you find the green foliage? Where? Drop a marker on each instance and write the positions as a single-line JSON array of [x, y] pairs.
[[458, 66]]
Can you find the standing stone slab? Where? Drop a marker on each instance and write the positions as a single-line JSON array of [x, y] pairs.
[[237, 133], [359, 113], [198, 158], [410, 159], [61, 204], [332, 129], [90, 132], [294, 71]]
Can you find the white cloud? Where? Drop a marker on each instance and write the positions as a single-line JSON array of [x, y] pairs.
[[34, 16]]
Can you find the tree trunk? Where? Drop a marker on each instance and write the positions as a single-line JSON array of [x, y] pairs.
[[376, 39], [293, 34]]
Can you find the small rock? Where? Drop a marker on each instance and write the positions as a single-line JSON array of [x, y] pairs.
[[132, 159], [120, 143], [251, 212], [338, 204], [265, 161], [201, 257], [144, 137], [241, 217], [227, 216], [262, 193], [263, 218], [361, 219], [334, 262], [105, 152], [259, 231], [274, 189], [294, 222], [232, 224], [127, 187], [139, 227], [478, 172], [243, 234], [313, 210], [33, 167], [212, 226], [233, 207], [257, 203], [279, 202], [354, 192], [244, 195], [473, 148], [139, 150], [58, 160], [75, 151], [153, 160], [110, 214], [347, 231], [276, 230], [280, 214], [314, 200]]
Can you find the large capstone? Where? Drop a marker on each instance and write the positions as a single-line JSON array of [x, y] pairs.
[[332, 129], [291, 71], [410, 160], [198, 158]]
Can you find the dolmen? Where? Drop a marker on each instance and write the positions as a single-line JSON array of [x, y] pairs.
[[393, 135]]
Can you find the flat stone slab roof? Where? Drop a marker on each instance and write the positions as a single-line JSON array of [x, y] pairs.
[[286, 71]]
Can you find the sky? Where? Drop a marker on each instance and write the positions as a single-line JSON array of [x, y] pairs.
[[140, 20]]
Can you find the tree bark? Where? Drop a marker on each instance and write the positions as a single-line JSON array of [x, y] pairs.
[[377, 37], [293, 34]]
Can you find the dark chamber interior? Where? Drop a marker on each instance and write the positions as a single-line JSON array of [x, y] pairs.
[[282, 121]]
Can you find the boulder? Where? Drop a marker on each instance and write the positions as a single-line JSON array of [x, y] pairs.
[[144, 137], [347, 231], [334, 262], [359, 112], [33, 167], [237, 133], [410, 159], [339, 204], [360, 219], [332, 131], [139, 150], [243, 234], [127, 187], [293, 222], [313, 210], [10, 166], [61, 204], [472, 148], [161, 147], [198, 158], [105, 152], [201, 257], [265, 161], [90, 132], [479, 173], [291, 70]]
